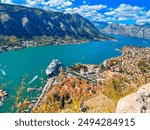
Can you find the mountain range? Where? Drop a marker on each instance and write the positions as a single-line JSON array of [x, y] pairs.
[[28, 22], [138, 31]]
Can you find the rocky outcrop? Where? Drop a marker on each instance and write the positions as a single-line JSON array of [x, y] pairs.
[[138, 102], [139, 31], [27, 22]]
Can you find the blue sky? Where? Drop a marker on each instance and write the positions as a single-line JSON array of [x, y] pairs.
[[118, 11]]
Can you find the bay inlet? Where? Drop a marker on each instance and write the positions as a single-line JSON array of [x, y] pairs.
[[32, 62]]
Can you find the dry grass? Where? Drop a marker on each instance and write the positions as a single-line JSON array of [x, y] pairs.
[[117, 88]]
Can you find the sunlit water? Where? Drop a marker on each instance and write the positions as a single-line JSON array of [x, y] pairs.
[[33, 62]]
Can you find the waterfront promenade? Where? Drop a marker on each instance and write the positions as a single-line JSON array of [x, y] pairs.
[[45, 90]]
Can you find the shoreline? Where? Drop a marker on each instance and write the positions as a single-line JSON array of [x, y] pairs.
[[10, 43], [126, 68], [13, 43], [5, 49], [14, 49]]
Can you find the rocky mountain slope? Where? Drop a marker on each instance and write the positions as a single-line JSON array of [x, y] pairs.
[[27, 22], [139, 31]]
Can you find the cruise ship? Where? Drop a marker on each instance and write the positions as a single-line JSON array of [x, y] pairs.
[[53, 67]]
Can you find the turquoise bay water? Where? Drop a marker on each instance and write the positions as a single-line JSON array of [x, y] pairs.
[[32, 61]]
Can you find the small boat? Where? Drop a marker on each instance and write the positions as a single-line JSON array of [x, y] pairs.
[[30, 89], [31, 106], [3, 72], [3, 93], [5, 66], [34, 78], [40, 89], [118, 49], [33, 101], [35, 98], [26, 111]]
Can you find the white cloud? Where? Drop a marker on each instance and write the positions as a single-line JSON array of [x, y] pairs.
[[31, 3], [124, 10], [84, 1], [58, 3], [88, 11], [86, 8], [50, 3], [67, 3], [143, 21], [128, 12], [148, 13], [7, 1]]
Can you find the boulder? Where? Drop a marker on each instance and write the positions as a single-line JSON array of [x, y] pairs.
[[138, 102]]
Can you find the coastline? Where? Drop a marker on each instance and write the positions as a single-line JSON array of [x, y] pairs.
[[10, 43], [21, 44], [97, 75]]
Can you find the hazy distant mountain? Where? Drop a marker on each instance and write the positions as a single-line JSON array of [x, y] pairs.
[[100, 25], [27, 22], [139, 31]]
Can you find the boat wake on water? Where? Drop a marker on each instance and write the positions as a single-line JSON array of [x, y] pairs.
[[3, 72], [34, 78]]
